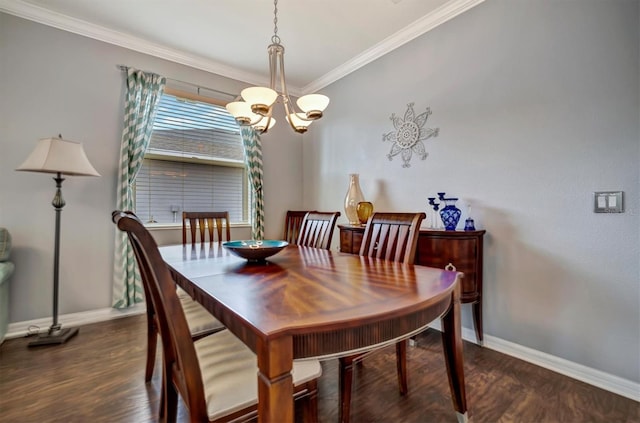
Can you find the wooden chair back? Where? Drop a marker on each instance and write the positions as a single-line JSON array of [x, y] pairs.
[[205, 222], [317, 229], [180, 359], [292, 225], [392, 236]]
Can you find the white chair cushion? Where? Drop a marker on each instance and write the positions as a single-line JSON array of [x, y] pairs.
[[198, 318], [230, 373], [182, 293]]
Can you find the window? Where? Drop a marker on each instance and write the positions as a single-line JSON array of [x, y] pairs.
[[195, 162]]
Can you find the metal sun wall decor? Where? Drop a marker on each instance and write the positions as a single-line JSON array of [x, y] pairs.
[[409, 134]]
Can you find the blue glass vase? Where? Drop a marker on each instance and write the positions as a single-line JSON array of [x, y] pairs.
[[450, 214]]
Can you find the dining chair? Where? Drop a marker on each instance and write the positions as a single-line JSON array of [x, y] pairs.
[[292, 224], [205, 222], [201, 323], [317, 229], [216, 376], [387, 236]]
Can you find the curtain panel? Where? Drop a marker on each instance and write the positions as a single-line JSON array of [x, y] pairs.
[[253, 160], [143, 93]]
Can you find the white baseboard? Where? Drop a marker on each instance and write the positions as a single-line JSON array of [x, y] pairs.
[[19, 329], [600, 379], [606, 381]]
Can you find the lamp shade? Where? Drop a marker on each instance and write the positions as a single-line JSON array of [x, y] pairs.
[[261, 125], [298, 120], [242, 112], [259, 95], [53, 155], [313, 102]]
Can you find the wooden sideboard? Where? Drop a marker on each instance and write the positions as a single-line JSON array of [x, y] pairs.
[[439, 248]]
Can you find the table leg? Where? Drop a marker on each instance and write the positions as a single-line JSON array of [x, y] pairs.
[[452, 344], [275, 384]]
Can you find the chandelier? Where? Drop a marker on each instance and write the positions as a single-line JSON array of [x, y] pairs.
[[257, 108]]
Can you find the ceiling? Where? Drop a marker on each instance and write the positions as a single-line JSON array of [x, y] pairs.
[[324, 40]]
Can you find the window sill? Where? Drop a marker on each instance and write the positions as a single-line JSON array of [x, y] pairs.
[[178, 226]]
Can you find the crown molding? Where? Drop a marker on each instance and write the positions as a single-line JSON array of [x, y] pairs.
[[43, 16], [446, 12]]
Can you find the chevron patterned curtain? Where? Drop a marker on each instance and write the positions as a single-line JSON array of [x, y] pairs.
[[143, 93], [253, 160]]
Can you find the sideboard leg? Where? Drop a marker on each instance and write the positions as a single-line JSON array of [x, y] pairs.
[[477, 320]]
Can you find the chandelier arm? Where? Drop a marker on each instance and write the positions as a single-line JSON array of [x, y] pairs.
[[273, 66], [267, 123], [285, 93], [287, 111]]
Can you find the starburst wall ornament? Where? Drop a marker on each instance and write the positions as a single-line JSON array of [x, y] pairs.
[[409, 134]]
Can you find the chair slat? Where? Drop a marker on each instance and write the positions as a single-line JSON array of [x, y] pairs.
[[317, 229], [292, 225], [205, 223]]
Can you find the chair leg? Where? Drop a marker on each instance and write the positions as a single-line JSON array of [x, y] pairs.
[[401, 364], [345, 380], [310, 403], [163, 392], [170, 402], [152, 339]]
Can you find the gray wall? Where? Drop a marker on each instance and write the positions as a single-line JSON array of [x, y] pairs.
[[537, 105], [53, 82]]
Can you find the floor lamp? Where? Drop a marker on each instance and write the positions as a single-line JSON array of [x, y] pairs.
[[61, 157]]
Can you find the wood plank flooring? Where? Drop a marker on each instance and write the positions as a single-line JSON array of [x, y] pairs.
[[98, 376]]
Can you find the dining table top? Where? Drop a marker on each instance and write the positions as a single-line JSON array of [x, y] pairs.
[[302, 287], [306, 302]]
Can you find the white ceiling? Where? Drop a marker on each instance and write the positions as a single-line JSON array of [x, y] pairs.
[[324, 40]]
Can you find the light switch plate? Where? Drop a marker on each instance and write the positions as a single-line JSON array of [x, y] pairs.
[[608, 202]]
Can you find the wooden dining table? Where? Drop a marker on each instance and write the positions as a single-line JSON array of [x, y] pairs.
[[306, 302]]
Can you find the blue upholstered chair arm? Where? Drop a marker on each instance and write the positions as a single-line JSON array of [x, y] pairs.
[[6, 270]]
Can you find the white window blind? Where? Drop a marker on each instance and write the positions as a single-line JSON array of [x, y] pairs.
[[194, 163]]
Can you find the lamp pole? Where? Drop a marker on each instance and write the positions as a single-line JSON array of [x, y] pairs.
[[58, 203], [56, 334]]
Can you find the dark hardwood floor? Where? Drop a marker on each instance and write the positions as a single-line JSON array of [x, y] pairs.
[[98, 376]]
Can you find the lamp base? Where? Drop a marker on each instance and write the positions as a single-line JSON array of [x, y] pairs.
[[55, 337]]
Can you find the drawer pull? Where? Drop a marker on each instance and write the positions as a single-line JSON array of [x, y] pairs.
[[450, 267]]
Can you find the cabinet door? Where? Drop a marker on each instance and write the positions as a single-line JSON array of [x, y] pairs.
[[356, 242], [346, 241], [436, 251], [350, 240]]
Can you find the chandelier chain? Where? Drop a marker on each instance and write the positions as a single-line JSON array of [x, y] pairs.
[[275, 38]]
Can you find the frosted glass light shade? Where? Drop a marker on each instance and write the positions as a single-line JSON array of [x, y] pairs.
[[53, 155], [313, 102], [260, 126], [242, 112], [297, 120], [259, 96]]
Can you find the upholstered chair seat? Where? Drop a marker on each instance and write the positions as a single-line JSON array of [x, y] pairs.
[[200, 321], [229, 370]]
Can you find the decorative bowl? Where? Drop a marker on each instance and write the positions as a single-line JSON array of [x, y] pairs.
[[255, 250]]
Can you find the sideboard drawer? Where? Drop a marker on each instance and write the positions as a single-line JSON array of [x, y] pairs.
[[461, 253]]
